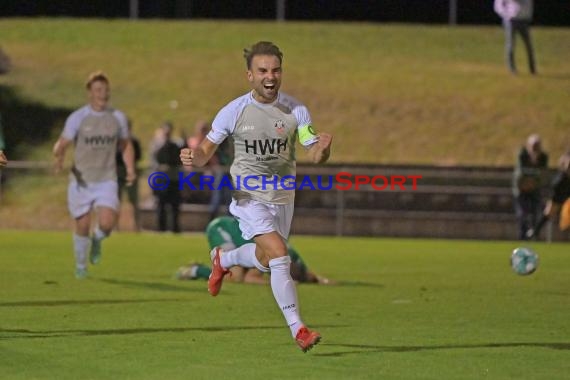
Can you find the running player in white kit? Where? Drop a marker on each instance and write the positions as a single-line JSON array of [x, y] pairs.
[[97, 131], [264, 125]]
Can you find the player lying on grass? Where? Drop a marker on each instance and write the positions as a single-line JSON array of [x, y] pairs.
[[559, 199], [224, 232]]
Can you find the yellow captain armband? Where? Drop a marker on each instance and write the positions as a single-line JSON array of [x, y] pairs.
[[307, 135]]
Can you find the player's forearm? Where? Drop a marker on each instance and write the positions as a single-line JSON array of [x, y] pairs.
[[129, 157], [59, 151], [319, 155], [200, 158]]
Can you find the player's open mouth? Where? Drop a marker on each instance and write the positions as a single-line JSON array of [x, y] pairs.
[[269, 86]]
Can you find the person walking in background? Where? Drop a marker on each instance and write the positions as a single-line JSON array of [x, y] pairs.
[[264, 124], [169, 199], [531, 164], [97, 131], [559, 198], [516, 16], [132, 190]]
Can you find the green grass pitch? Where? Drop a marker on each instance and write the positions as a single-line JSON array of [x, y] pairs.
[[405, 309]]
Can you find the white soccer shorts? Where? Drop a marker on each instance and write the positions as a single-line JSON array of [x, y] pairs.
[[80, 200], [256, 218]]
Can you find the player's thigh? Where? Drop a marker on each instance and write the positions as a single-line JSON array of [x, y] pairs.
[[106, 201], [257, 218], [283, 216], [105, 194], [79, 200], [254, 218]]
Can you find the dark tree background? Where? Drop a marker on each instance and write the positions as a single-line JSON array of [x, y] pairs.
[[547, 12]]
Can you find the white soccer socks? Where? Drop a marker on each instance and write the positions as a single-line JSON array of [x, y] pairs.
[[80, 249], [243, 256], [284, 291]]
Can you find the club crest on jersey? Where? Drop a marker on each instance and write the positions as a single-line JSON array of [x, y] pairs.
[[279, 126]]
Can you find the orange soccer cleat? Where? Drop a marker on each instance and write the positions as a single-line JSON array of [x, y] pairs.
[[218, 272], [306, 338]]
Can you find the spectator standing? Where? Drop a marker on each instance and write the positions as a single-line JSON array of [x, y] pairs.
[[517, 17], [169, 199], [531, 164], [132, 190]]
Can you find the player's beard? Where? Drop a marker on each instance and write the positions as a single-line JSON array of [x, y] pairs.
[[267, 95]]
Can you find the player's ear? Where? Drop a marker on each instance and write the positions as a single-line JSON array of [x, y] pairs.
[[249, 75]]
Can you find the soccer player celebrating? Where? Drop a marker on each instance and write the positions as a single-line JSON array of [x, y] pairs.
[[97, 131], [560, 189], [264, 124]]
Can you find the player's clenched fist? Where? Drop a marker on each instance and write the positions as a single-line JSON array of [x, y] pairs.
[[325, 140], [186, 156]]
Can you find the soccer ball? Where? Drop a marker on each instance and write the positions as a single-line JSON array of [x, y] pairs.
[[524, 261]]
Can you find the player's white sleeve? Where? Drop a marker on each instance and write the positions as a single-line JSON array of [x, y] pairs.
[[123, 124], [72, 124], [225, 121], [307, 134]]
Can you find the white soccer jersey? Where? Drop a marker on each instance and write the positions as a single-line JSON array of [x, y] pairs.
[[264, 144], [514, 9], [95, 135]]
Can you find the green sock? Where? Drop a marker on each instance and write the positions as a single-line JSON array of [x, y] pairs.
[[203, 271]]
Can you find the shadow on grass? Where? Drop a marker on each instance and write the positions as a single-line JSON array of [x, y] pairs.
[[357, 349], [359, 284], [160, 286], [27, 122], [35, 334], [82, 302]]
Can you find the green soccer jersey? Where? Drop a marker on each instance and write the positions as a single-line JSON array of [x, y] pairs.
[[225, 229]]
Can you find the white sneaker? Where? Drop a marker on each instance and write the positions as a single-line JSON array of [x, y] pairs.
[[81, 273]]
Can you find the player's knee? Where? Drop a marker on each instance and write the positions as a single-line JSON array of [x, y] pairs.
[[279, 251], [106, 228], [269, 254]]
